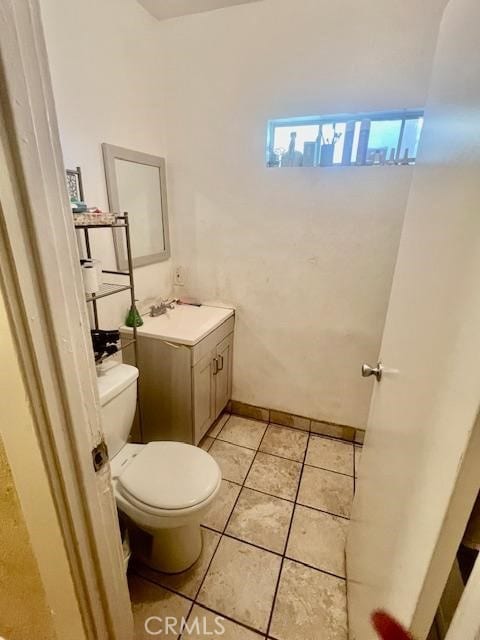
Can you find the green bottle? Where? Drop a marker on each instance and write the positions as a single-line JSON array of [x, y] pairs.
[[134, 319]]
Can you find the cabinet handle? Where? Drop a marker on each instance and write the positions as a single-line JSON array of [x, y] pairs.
[[215, 366], [220, 368]]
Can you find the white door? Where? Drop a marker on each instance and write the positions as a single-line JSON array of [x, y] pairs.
[[417, 480], [223, 377], [43, 292], [204, 395]]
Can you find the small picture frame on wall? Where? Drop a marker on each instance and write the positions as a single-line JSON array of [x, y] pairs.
[[75, 185]]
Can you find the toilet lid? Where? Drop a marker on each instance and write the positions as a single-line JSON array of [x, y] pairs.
[[171, 475]]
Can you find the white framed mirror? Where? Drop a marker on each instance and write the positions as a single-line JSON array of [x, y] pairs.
[[136, 183]]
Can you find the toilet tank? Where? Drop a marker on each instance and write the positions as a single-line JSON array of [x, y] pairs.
[[117, 388]]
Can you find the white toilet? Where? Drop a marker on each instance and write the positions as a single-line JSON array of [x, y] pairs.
[[164, 488]]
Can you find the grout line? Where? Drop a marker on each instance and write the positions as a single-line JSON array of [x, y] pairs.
[[354, 472], [276, 455], [272, 495], [277, 586], [295, 502], [208, 567], [339, 473], [195, 602], [243, 483], [222, 535], [179, 637]]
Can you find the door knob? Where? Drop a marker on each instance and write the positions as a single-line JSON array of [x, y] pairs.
[[368, 371]]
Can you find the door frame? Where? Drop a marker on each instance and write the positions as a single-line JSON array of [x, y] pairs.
[[43, 292]]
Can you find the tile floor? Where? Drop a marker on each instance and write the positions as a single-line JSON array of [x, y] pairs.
[[273, 559]]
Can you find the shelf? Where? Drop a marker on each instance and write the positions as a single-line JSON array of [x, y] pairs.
[[100, 226], [108, 289]]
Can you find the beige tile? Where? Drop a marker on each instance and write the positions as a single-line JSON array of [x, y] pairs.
[[358, 457], [359, 436], [285, 442], [310, 605], [318, 539], [330, 454], [234, 461], [289, 420], [326, 490], [202, 623], [241, 583], [218, 426], [243, 431], [188, 582], [221, 508], [333, 430], [206, 443], [250, 411], [150, 600], [261, 519], [274, 475]]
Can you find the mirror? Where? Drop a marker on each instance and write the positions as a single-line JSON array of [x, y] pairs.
[[136, 183]]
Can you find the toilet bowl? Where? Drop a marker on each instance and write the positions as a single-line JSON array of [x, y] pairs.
[[163, 488]]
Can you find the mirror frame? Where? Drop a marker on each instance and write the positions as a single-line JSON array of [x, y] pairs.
[[110, 154]]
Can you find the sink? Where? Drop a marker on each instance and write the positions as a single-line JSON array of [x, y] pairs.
[[184, 324]]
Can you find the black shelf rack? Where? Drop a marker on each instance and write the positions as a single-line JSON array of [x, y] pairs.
[[112, 288]]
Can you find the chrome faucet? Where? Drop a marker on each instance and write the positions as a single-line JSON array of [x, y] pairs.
[[160, 309]]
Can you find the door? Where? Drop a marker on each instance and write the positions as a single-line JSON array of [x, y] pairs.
[[223, 377], [204, 394], [44, 296], [418, 475]]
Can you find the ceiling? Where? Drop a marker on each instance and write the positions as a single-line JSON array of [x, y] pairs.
[[164, 9]]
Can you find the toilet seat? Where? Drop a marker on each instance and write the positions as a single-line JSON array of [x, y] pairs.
[[169, 479]]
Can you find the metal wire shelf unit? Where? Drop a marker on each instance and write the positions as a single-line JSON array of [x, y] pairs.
[[109, 288]]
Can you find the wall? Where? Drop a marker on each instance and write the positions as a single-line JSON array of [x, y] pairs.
[[104, 63], [37, 595], [306, 255], [23, 608]]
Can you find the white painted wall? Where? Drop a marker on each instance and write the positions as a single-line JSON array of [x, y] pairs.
[[306, 255], [104, 59]]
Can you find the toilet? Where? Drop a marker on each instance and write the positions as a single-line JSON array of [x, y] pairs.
[[163, 488]]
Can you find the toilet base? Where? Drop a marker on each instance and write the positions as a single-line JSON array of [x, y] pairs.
[[170, 550]]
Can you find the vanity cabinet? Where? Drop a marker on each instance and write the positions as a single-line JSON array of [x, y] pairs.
[[183, 388], [212, 385]]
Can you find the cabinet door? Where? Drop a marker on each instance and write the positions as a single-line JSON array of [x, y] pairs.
[[223, 376], [204, 395]]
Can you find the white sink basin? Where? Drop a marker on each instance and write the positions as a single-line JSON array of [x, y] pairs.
[[184, 324]]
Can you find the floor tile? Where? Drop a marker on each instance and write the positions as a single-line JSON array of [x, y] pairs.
[[310, 605], [206, 443], [151, 600], [330, 454], [218, 426], [318, 539], [241, 583], [234, 461], [358, 457], [243, 431], [285, 442], [261, 519], [326, 490], [274, 475], [188, 582], [202, 623], [221, 508]]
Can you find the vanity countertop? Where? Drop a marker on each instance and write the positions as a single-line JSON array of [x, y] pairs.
[[184, 324]]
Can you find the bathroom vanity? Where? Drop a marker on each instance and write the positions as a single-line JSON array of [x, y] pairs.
[[185, 361]]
